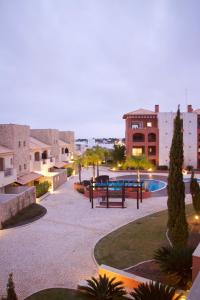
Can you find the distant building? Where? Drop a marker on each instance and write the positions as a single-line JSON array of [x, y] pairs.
[[150, 133]]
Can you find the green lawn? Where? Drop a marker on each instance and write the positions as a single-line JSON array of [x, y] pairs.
[[60, 294], [26, 215], [134, 242]]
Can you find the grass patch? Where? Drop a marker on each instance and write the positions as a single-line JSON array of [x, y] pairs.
[[61, 294], [26, 215], [134, 242]]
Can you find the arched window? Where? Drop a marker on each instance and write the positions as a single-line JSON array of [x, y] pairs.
[[44, 154], [66, 150], [151, 137], [37, 156], [138, 137]]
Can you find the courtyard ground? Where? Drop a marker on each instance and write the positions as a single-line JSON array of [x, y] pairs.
[[57, 250]]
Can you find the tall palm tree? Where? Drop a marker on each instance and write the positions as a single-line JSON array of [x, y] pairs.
[[79, 163], [104, 288], [154, 291], [138, 163], [100, 152], [91, 158]]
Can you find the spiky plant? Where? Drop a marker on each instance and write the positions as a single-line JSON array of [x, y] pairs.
[[11, 295], [154, 291], [103, 288], [176, 263]]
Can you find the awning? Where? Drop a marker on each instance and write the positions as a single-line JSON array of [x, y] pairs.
[[28, 178], [60, 165]]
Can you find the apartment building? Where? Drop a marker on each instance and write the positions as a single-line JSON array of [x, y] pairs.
[[28, 156], [150, 133]]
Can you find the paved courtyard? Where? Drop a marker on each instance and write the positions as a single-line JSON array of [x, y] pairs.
[[57, 250]]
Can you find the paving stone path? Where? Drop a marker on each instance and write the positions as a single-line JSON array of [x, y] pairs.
[[57, 250]]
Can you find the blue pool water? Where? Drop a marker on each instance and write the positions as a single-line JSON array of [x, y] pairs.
[[151, 185]]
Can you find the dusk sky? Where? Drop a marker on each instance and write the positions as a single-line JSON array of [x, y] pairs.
[[81, 64]]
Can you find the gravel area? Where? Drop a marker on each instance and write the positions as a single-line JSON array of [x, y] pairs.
[[57, 250]]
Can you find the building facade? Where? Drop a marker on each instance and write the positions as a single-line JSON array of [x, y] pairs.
[[150, 133]]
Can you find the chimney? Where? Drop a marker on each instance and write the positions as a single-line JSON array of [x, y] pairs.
[[189, 108], [157, 108]]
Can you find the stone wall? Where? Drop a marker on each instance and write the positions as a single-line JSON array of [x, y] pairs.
[[16, 137], [50, 137], [68, 137], [11, 204], [57, 179]]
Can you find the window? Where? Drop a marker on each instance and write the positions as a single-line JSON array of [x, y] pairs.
[[138, 137], [20, 168], [19, 144], [149, 124], [136, 125], [11, 161], [24, 143], [152, 150], [137, 151], [151, 137], [24, 166]]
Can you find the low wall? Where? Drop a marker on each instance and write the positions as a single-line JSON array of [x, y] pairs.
[[57, 178], [11, 204], [130, 281], [196, 262]]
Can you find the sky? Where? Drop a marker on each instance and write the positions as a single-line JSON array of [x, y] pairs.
[[81, 64]]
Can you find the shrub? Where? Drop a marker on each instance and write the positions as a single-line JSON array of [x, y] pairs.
[[162, 168], [189, 168], [104, 288], [11, 295], [176, 263], [80, 190], [42, 188], [154, 291], [69, 172], [195, 192]]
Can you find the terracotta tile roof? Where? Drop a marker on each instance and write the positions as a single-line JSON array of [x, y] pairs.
[[35, 144], [28, 178], [60, 165], [140, 111], [5, 150]]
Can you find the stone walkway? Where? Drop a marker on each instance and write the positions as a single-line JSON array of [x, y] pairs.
[[57, 250]]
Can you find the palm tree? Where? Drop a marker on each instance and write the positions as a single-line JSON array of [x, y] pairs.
[[79, 163], [138, 163], [154, 291], [100, 152], [176, 263], [104, 288]]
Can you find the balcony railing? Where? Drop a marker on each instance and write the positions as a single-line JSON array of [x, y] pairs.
[[8, 172]]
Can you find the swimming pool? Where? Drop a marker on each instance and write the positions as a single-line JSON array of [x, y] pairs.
[[151, 185]]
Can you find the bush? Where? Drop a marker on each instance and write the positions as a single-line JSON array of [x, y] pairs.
[[42, 188], [189, 168], [154, 291], [163, 167], [176, 263], [80, 190], [195, 192], [69, 172]]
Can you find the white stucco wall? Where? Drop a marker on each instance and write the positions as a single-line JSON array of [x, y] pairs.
[[190, 139], [166, 124]]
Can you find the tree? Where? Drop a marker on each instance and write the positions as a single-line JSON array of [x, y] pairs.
[[176, 263], [79, 163], [154, 291], [91, 158], [177, 223], [118, 153], [138, 163], [100, 152], [195, 192], [104, 288], [11, 295]]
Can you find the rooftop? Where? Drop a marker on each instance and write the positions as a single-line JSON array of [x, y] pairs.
[[140, 111], [5, 150], [36, 144]]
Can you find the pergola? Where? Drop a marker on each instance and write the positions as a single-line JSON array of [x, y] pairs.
[[105, 190]]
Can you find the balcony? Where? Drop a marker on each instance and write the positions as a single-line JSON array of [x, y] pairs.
[[42, 165], [138, 138], [7, 176]]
